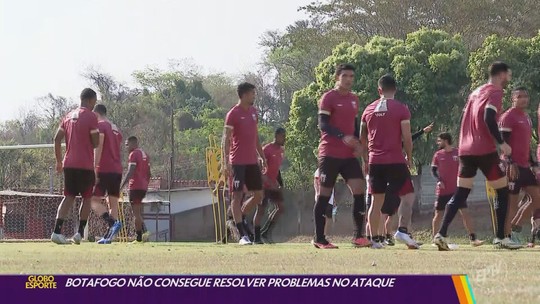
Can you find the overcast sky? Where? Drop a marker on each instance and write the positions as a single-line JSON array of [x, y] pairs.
[[46, 45]]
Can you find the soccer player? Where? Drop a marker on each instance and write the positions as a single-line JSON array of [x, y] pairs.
[[331, 204], [273, 188], [387, 129], [338, 151], [79, 128], [444, 167], [516, 128], [138, 176], [240, 148], [477, 150], [108, 167]]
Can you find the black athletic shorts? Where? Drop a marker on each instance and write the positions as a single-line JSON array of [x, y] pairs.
[[108, 184], [331, 167], [136, 196], [526, 179], [489, 164], [273, 195], [78, 182], [248, 175], [442, 200], [387, 178]]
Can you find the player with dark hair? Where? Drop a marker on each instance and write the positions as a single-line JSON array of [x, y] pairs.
[[338, 151], [445, 167], [516, 128], [79, 128], [241, 151], [478, 150], [387, 129], [108, 168], [138, 176], [273, 188]]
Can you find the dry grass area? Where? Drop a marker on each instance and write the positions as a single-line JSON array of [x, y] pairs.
[[496, 276]]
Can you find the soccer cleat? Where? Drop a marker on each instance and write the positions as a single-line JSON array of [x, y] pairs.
[[417, 242], [146, 236], [104, 241], [441, 243], [324, 245], [406, 239], [361, 242], [477, 243], [76, 239], [506, 243], [389, 240], [245, 241], [59, 239], [376, 245], [530, 245]]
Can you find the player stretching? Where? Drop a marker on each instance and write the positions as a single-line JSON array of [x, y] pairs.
[[387, 128], [338, 152], [108, 167], [477, 150], [240, 148], [273, 188], [444, 167], [138, 176], [516, 128], [80, 130]]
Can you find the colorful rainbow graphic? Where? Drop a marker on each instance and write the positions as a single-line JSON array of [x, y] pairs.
[[463, 289]]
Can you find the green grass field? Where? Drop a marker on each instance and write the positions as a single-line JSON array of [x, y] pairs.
[[496, 276]]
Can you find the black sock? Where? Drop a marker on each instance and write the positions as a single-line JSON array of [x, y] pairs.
[[139, 236], [452, 208], [472, 237], [240, 227], [58, 226], [501, 206], [320, 219], [82, 225], [388, 236], [108, 219], [257, 233], [402, 230], [359, 213]]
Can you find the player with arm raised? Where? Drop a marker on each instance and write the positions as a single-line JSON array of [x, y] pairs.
[[478, 150], [138, 176], [79, 128], [338, 151]]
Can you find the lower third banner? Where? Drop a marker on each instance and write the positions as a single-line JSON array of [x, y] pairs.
[[416, 289]]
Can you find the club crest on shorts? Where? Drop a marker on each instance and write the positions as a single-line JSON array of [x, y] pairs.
[[236, 184], [323, 177], [353, 103]]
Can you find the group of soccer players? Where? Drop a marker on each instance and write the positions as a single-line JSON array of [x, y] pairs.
[[383, 141], [92, 169]]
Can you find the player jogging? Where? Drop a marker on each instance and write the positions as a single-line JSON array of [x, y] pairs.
[[516, 128], [79, 128], [108, 168], [387, 129], [477, 150], [273, 188], [445, 167], [138, 176], [338, 151], [240, 160]]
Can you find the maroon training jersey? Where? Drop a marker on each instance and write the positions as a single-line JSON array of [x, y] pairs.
[[274, 157], [383, 119], [141, 177], [111, 161], [519, 124], [447, 164], [342, 109], [475, 138], [243, 124], [77, 126]]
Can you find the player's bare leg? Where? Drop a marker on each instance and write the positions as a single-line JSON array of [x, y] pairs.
[[84, 213], [436, 222], [254, 201], [389, 223], [257, 219], [137, 214], [61, 214], [266, 231], [405, 220], [469, 225], [375, 218], [236, 208], [357, 187]]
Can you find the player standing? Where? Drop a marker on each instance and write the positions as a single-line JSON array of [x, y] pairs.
[[477, 150], [445, 167], [138, 176], [516, 128], [331, 204], [240, 148], [338, 151], [273, 188], [80, 130], [386, 127], [108, 167]]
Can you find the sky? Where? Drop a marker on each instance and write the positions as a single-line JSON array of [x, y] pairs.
[[45, 46]]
